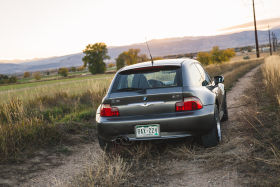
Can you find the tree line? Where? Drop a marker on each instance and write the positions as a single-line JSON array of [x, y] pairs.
[[96, 54], [5, 79]]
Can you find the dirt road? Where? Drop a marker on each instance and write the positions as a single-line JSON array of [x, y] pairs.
[[206, 167]]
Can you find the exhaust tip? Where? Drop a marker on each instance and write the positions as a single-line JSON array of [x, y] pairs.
[[121, 140]]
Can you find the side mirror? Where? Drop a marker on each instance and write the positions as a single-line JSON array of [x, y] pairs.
[[218, 79]]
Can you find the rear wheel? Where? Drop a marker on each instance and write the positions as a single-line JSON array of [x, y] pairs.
[[214, 136], [225, 110], [104, 145]]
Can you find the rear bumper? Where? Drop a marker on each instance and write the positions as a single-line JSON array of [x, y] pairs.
[[172, 125]]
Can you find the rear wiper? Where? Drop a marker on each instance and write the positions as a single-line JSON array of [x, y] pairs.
[[129, 89]]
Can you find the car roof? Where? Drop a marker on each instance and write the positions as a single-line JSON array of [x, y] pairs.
[[167, 62]]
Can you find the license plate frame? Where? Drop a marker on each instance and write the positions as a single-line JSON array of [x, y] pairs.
[[153, 131]]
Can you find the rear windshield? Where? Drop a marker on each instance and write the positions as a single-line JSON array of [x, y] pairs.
[[148, 78]]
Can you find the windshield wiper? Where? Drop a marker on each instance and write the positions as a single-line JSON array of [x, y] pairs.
[[129, 89]]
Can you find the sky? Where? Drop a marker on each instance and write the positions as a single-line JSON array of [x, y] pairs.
[[44, 28]]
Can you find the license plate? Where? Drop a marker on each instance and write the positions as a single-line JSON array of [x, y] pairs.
[[143, 131]]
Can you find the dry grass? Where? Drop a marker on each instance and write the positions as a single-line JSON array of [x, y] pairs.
[[271, 73], [125, 166], [184, 151], [269, 131], [45, 117], [261, 121], [105, 171], [222, 69]]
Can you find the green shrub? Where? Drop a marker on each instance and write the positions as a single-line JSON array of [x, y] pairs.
[[63, 72]]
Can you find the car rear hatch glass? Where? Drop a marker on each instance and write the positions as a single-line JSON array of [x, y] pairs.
[[148, 90]]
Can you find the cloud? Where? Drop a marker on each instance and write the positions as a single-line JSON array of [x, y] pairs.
[[261, 24]]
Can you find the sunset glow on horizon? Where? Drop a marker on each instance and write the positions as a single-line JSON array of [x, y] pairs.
[[37, 28]]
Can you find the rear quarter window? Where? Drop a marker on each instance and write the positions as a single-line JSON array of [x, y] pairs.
[[205, 77], [195, 75]]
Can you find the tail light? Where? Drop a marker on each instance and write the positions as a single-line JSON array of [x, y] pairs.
[[107, 111], [189, 103]]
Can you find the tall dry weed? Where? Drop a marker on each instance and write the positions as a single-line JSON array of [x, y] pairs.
[[106, 170], [271, 73], [262, 125]]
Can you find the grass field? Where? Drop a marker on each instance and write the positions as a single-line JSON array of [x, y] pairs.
[[47, 82], [51, 76], [72, 86], [56, 76], [41, 114]]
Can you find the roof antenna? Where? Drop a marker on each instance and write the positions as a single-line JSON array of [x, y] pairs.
[[150, 52]]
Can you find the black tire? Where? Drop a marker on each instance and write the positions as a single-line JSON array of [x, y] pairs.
[[104, 145], [225, 109], [213, 137]]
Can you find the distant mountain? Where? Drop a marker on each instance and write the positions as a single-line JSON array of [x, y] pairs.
[[159, 47], [42, 64], [163, 47]]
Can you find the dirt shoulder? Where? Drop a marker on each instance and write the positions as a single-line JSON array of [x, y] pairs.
[[51, 166]]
